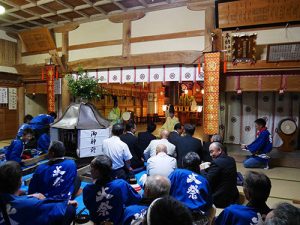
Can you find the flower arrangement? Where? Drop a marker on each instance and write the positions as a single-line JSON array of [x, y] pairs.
[[84, 87]]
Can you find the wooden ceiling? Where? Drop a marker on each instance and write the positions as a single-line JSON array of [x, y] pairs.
[[26, 14]]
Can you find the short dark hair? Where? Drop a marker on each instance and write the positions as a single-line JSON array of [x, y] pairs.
[[168, 211], [53, 114], [151, 127], [260, 122], [28, 131], [10, 177], [28, 118], [117, 129], [57, 148], [284, 214], [129, 126], [258, 186], [171, 109], [189, 129], [103, 165], [192, 161], [177, 126]]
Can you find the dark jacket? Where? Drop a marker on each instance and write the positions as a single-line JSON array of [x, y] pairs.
[[173, 137], [132, 142], [144, 139], [185, 145], [221, 176]]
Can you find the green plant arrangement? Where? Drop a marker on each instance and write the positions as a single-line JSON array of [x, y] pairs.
[[84, 88]]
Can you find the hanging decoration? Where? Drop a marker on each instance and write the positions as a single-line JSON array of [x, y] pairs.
[[49, 73], [244, 48], [211, 90]]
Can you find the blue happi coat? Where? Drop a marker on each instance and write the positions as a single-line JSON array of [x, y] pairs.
[[40, 121], [134, 213], [55, 180], [43, 142], [21, 129], [238, 215], [25, 210], [261, 146], [191, 189], [15, 150], [106, 203]]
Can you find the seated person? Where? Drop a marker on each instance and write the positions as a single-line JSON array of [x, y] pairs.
[[171, 120], [174, 136], [29, 210], [260, 147], [55, 178], [131, 140], [14, 152], [189, 187], [27, 120], [257, 187], [144, 138], [151, 149], [283, 214], [119, 153], [106, 198], [155, 187], [206, 144], [43, 142], [161, 164], [168, 211]]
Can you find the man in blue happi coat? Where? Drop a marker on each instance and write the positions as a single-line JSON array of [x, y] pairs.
[[42, 121], [257, 187], [156, 186], [15, 150], [189, 187], [106, 198], [25, 125], [28, 210], [56, 178], [260, 147], [43, 142]]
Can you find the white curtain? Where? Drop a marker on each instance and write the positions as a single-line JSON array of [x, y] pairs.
[[242, 110]]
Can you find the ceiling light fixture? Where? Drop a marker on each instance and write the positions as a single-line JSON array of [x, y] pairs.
[[2, 10]]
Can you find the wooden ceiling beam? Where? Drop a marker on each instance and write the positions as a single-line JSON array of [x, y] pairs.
[[119, 5], [160, 58], [57, 60], [195, 5], [66, 28], [131, 16], [143, 3]]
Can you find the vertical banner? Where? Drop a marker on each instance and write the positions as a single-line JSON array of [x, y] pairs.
[[3, 96], [50, 90], [211, 90], [12, 98]]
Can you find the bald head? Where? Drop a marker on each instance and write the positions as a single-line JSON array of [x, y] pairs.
[[215, 149], [161, 148], [164, 134], [157, 186]]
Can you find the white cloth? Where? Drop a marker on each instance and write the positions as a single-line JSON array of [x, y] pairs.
[[151, 149], [117, 150], [161, 164]]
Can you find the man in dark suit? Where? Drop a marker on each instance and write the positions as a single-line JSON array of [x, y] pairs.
[[144, 138], [206, 144], [174, 136], [132, 141], [188, 144], [221, 175]]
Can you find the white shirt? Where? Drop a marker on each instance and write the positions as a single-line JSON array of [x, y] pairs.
[[161, 164], [117, 150], [151, 149]]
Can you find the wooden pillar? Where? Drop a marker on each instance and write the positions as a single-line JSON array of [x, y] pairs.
[[21, 104], [209, 27], [126, 38], [65, 94]]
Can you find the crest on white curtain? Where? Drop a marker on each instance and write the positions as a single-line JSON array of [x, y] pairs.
[[156, 74], [188, 73], [103, 76], [115, 75], [142, 74], [172, 73], [128, 75]]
